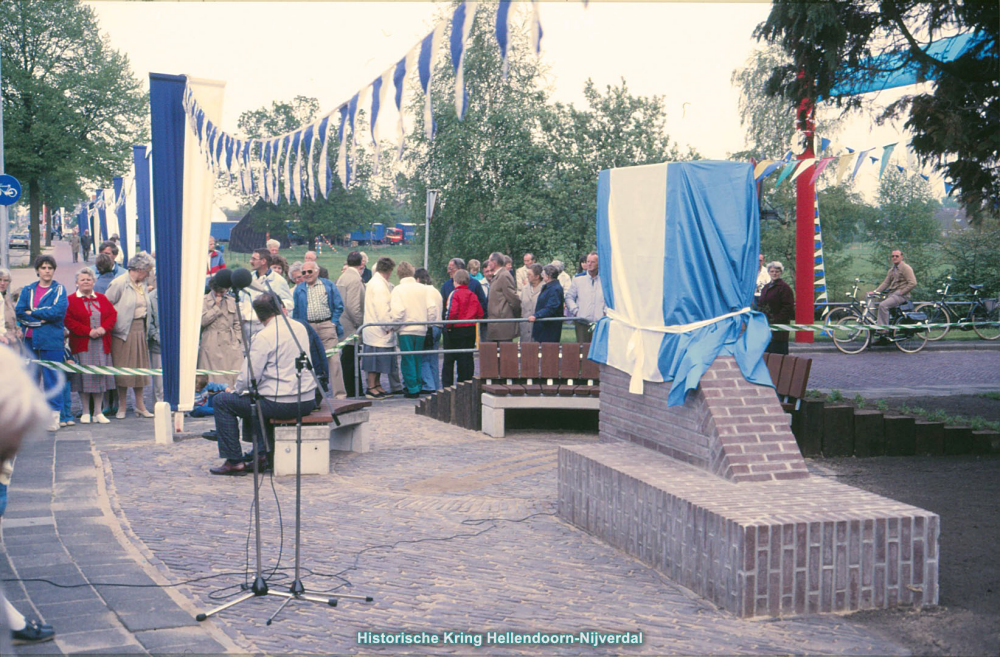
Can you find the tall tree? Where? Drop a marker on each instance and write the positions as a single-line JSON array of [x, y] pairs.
[[72, 106], [954, 126]]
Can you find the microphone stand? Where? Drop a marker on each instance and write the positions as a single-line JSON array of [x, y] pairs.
[[297, 591], [259, 587]]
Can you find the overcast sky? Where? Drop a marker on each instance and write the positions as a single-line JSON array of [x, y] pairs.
[[266, 51]]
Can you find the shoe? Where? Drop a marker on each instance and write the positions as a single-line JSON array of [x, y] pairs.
[[211, 435], [120, 415], [62, 425], [54, 426], [230, 468], [143, 413], [33, 632], [411, 395], [374, 394], [70, 423], [100, 419], [85, 418]]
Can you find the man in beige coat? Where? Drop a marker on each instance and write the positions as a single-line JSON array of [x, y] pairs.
[[503, 302], [352, 292]]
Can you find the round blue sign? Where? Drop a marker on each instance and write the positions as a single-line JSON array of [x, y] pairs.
[[10, 190]]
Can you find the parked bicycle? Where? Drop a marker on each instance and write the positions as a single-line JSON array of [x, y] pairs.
[[983, 316], [853, 333]]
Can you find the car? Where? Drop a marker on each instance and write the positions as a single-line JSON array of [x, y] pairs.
[[19, 241]]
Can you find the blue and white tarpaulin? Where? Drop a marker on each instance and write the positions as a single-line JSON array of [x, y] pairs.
[[678, 246]]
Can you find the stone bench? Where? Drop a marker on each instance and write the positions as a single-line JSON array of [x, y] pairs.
[[530, 375], [320, 435]]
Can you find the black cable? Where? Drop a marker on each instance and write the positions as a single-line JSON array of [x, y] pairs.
[[277, 573]]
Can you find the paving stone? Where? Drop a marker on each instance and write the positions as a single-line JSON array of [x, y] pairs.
[[140, 621]]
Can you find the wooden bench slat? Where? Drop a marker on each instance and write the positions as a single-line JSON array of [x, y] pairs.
[[566, 390], [508, 361], [489, 364], [516, 389], [800, 377], [322, 415], [550, 390], [773, 362], [588, 368], [569, 364], [497, 389], [529, 360], [784, 382], [550, 360]]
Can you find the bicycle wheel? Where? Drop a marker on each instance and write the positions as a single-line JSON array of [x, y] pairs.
[[991, 332], [909, 340], [851, 336], [833, 317], [936, 314]]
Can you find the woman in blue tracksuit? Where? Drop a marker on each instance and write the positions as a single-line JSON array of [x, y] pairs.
[[41, 309], [549, 304]]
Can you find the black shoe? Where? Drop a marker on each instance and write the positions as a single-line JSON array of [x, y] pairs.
[[33, 632], [412, 395], [211, 435], [231, 468]]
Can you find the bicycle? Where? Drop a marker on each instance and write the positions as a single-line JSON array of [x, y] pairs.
[[983, 316], [853, 333], [840, 312]]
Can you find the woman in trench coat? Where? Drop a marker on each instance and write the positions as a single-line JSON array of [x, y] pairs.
[[221, 337]]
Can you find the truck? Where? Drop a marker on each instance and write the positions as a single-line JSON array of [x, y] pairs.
[[394, 235], [374, 236], [409, 232]]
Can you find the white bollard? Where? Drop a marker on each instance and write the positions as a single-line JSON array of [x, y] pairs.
[[163, 423]]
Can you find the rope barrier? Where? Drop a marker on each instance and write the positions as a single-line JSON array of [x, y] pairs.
[[73, 368]]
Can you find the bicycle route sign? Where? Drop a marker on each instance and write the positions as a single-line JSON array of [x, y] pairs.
[[10, 190]]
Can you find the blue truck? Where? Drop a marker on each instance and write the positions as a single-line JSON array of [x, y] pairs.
[[409, 232], [374, 236]]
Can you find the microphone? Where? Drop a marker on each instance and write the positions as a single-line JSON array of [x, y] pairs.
[[240, 278], [223, 278]]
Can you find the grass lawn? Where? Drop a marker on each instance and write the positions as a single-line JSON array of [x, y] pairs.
[[334, 261]]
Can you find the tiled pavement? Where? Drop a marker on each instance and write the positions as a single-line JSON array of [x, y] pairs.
[[106, 505]]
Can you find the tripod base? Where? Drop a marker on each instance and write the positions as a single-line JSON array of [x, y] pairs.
[[292, 595]]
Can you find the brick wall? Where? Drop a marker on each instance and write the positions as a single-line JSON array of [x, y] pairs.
[[764, 548], [727, 426]]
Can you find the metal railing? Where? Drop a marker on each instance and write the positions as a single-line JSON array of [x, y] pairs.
[[358, 353]]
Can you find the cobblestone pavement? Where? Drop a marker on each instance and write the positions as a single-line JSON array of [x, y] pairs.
[[448, 529]]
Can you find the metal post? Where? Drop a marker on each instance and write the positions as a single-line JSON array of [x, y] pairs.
[[431, 199], [4, 240]]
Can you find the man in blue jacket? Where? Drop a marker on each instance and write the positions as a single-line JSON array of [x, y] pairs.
[[318, 303], [41, 309]]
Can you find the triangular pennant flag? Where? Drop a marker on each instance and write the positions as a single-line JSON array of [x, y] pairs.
[[379, 86], [536, 28], [296, 150], [948, 187], [461, 25], [824, 144], [342, 152], [323, 169], [503, 34], [886, 154], [786, 172], [758, 171], [900, 169], [843, 165], [803, 165], [425, 67], [309, 147], [286, 147], [925, 177], [824, 163], [861, 160], [399, 80], [266, 171]]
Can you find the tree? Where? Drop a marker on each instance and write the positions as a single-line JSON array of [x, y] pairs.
[[72, 106], [832, 42], [971, 257], [904, 220]]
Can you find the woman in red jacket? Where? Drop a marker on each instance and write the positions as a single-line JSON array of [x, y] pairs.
[[460, 304], [89, 320]]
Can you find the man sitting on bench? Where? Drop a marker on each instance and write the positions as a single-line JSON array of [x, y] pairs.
[[272, 359]]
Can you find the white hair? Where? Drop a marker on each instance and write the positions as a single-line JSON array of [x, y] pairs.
[[271, 243], [776, 265], [23, 409]]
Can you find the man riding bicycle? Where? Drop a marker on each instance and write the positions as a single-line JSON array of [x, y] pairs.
[[898, 284]]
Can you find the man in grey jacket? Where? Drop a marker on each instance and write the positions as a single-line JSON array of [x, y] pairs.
[[502, 302], [352, 291], [585, 300], [272, 363]]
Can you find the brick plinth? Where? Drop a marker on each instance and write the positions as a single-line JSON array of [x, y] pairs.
[[765, 548], [727, 426]]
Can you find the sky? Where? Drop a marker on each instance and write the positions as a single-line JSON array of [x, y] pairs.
[[267, 51]]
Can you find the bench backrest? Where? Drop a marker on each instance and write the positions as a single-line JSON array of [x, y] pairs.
[[531, 360], [790, 375]]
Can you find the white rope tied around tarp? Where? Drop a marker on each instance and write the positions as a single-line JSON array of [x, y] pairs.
[[635, 352]]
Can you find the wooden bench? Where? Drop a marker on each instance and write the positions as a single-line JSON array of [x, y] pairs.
[[790, 375], [530, 375], [320, 435]]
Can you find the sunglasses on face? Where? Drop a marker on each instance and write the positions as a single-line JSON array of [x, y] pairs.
[[308, 271]]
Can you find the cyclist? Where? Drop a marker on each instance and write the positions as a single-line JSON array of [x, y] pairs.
[[898, 284]]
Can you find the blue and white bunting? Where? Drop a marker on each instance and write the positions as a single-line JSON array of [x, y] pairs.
[[536, 28], [342, 164], [379, 86], [425, 67], [461, 26], [286, 147], [296, 149], [503, 34], [310, 141], [323, 169]]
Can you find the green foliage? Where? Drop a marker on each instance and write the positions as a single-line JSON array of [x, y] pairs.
[[859, 401], [971, 257], [995, 395], [904, 220], [953, 125], [519, 173], [71, 105], [882, 405], [835, 396]]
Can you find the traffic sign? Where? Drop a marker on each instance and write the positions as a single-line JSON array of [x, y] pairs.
[[10, 190]]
